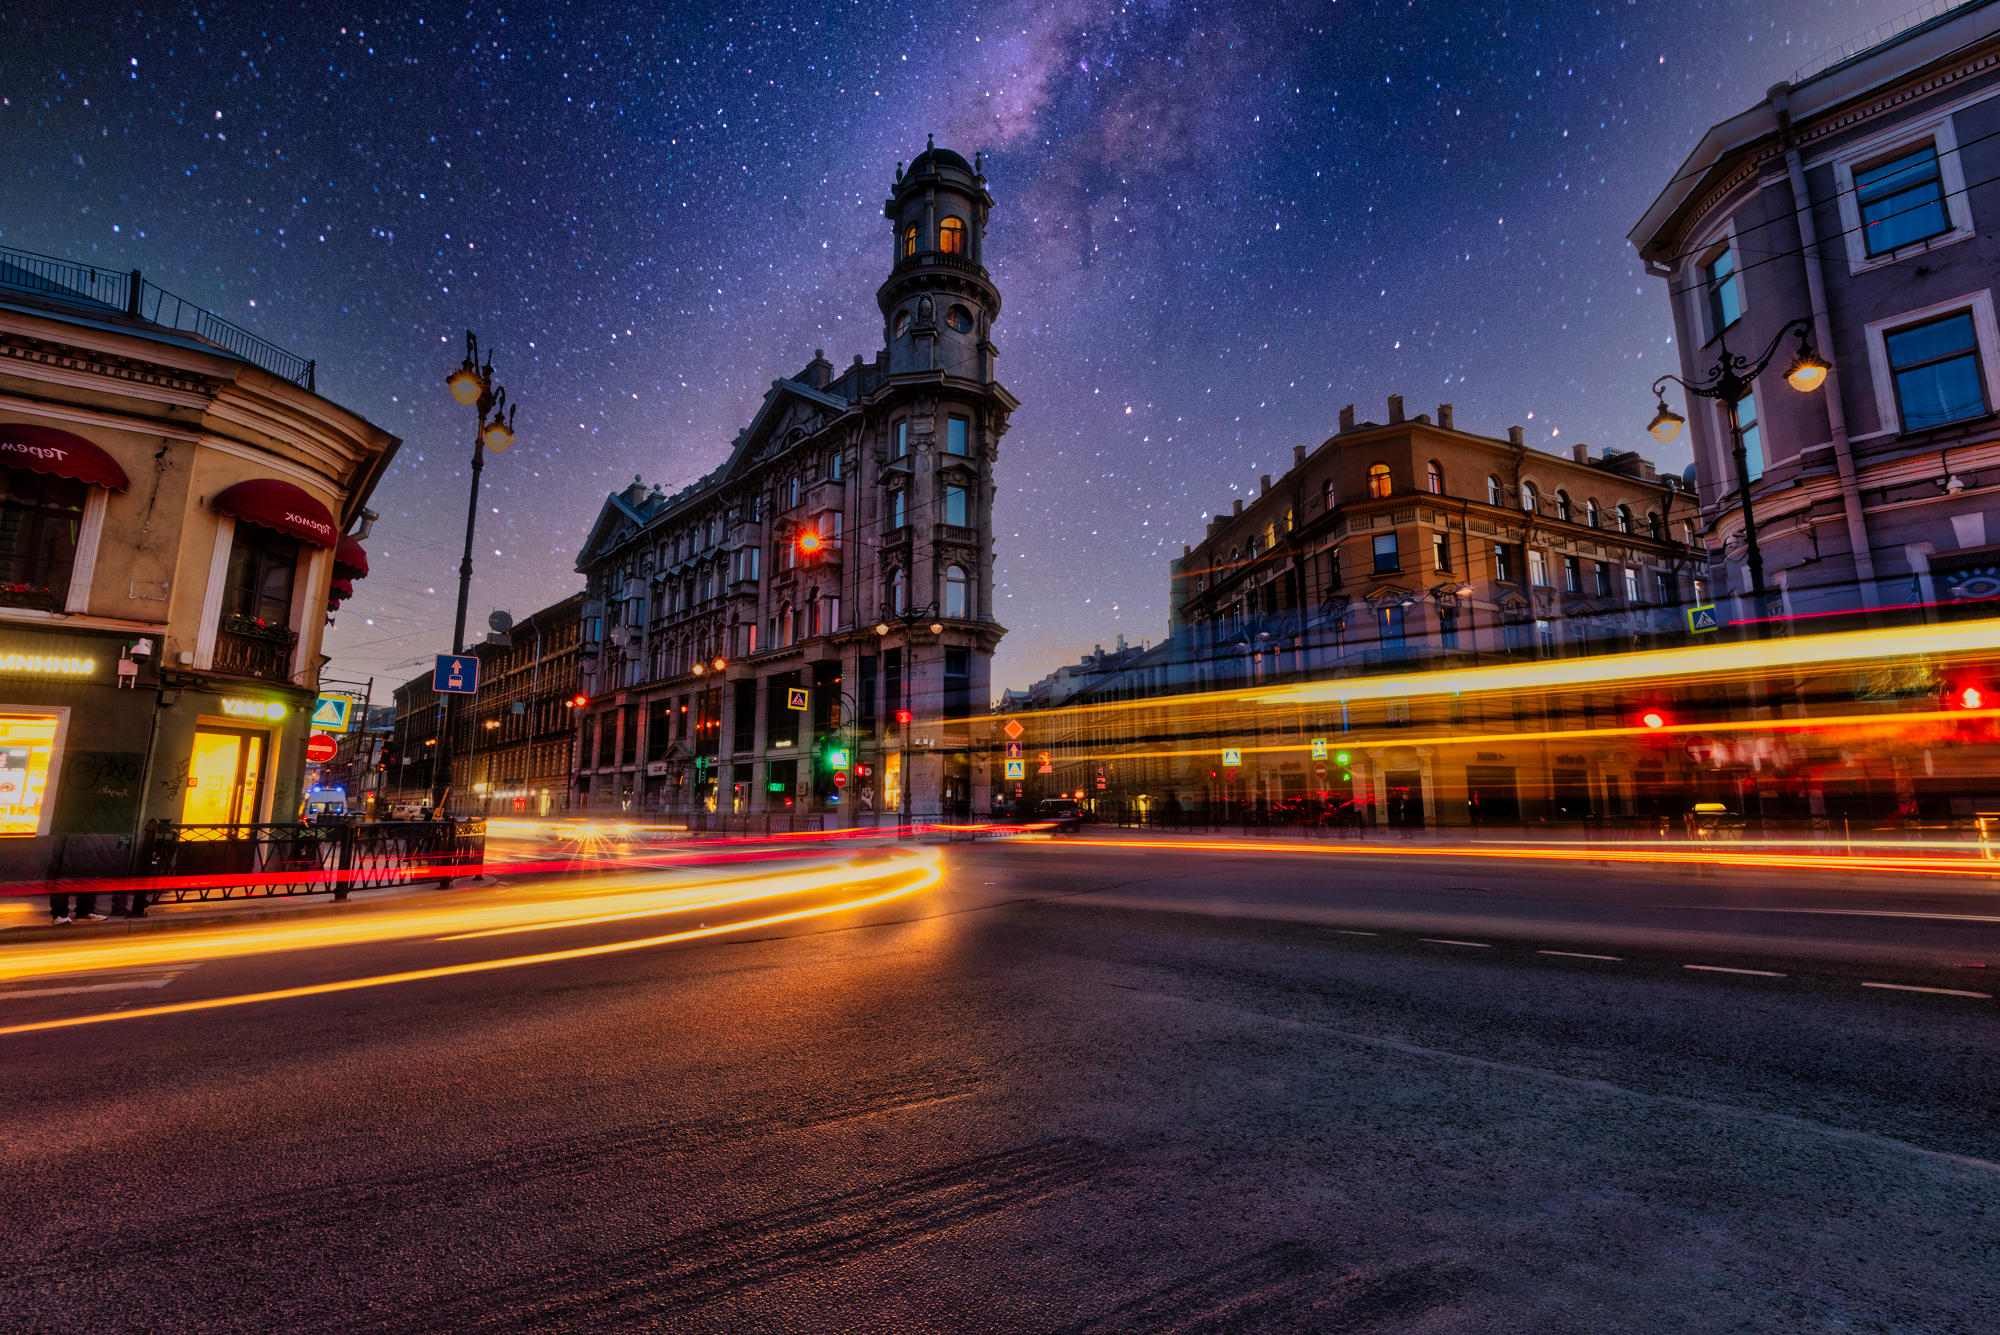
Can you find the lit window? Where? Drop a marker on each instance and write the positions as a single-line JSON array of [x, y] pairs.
[[1378, 480], [1385, 553], [951, 236], [1288, 519], [1901, 200], [1441, 551], [1270, 536], [1326, 494], [1936, 368], [1725, 299], [909, 240], [954, 591], [1434, 478], [27, 744]]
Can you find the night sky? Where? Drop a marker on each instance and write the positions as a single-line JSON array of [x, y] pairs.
[[1216, 224]]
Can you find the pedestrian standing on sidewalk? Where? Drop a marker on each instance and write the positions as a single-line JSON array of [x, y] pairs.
[[86, 906]]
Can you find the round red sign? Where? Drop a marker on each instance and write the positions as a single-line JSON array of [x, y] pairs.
[[840, 778], [320, 748]]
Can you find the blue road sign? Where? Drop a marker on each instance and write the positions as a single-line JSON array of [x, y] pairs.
[[456, 674], [1702, 620]]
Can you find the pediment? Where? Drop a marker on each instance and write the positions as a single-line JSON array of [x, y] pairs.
[[792, 413]]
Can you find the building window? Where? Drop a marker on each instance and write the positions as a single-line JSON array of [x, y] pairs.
[[1590, 514], [1434, 478], [1503, 564], [787, 627], [899, 440], [1753, 439], [1572, 575], [1441, 551], [1562, 506], [1270, 536], [1653, 527], [1936, 371], [1624, 519], [1602, 571], [909, 240], [1378, 480], [1390, 624], [955, 509], [1492, 490], [1531, 500], [1631, 585], [1448, 627], [1538, 569], [1289, 519], [1664, 592], [959, 319], [833, 466], [954, 591], [1333, 568], [38, 527], [792, 492], [1385, 553], [951, 236], [955, 435], [896, 508], [897, 593], [1901, 200], [262, 565], [1326, 494], [1725, 294]]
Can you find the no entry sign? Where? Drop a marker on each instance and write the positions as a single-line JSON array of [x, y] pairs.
[[320, 748]]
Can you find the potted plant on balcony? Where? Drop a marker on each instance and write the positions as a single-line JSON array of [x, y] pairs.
[[256, 628], [38, 596]]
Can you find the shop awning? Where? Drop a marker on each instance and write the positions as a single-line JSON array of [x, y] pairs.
[[43, 449], [350, 561], [341, 590], [281, 506]]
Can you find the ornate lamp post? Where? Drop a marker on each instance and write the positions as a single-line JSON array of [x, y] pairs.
[[913, 617], [472, 385], [1730, 381]]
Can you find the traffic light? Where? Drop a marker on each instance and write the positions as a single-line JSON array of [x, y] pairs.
[[1968, 695], [837, 758], [902, 717], [1653, 718], [579, 701]]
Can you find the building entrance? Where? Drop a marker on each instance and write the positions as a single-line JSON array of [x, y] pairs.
[[225, 777]]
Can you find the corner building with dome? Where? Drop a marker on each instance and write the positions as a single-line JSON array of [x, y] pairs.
[[839, 559]]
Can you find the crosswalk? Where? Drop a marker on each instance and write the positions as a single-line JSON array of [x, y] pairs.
[[101, 980]]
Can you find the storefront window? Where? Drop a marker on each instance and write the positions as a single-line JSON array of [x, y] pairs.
[[39, 518], [223, 776], [27, 741]]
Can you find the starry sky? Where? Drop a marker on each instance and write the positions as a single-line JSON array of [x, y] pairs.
[[1216, 224]]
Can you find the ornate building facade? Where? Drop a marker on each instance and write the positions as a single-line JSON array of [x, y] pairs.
[[826, 594]]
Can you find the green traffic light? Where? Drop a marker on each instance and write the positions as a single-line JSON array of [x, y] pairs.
[[837, 759], [1342, 757]]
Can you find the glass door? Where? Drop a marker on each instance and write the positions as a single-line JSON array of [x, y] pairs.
[[224, 772]]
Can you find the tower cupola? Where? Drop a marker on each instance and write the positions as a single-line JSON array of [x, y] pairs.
[[939, 303]]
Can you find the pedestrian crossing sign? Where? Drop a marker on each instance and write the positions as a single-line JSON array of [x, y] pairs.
[[795, 698], [1017, 769], [1232, 758], [1702, 620], [331, 713], [1319, 748]]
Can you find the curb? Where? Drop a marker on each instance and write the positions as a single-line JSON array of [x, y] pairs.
[[196, 921]]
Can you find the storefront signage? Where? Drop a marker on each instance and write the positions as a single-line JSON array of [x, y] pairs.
[[270, 709], [54, 666]]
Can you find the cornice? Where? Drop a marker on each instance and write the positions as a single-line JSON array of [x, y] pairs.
[[80, 369]]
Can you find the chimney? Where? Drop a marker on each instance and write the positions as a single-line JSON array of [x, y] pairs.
[[1236, 507], [1395, 408], [1514, 436], [1444, 417], [1298, 455], [1580, 453], [1186, 551], [1263, 484], [1347, 418]]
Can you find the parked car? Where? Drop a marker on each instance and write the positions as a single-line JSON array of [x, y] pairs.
[[1060, 813]]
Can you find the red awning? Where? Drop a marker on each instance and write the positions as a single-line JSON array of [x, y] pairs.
[[43, 449], [350, 561], [341, 589], [281, 506]]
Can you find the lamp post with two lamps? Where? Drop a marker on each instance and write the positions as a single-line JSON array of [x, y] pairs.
[[1729, 382], [906, 718]]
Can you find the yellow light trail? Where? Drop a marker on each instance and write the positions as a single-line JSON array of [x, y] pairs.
[[918, 878]]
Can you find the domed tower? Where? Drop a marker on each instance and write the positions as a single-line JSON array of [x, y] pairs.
[[939, 304]]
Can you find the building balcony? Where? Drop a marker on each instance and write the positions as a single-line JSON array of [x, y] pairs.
[[32, 596], [263, 656]]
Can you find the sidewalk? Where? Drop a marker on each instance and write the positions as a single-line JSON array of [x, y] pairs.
[[26, 917]]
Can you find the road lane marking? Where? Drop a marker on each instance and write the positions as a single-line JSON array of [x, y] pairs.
[[1579, 955], [9, 994], [1939, 991], [1348, 932], [1717, 968], [1440, 941]]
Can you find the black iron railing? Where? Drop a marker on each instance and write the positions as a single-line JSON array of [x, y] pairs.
[[201, 862], [253, 656], [131, 294]]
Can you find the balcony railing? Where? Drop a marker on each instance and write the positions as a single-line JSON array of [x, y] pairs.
[[254, 656]]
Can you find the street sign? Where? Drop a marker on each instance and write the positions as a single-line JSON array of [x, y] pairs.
[[1229, 776], [1014, 728], [456, 674], [332, 712], [1319, 771], [795, 698], [1232, 758], [1702, 620], [1046, 767], [837, 758], [840, 778], [320, 748], [1319, 749], [1013, 750], [1017, 769]]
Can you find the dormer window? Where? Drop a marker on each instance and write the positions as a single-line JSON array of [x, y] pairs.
[[909, 240], [951, 236]]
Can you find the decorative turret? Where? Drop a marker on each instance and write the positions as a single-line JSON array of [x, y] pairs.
[[939, 304]]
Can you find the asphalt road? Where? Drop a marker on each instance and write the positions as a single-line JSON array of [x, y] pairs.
[[1070, 1089]]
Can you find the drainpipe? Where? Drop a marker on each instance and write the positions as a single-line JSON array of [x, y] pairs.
[[1836, 413]]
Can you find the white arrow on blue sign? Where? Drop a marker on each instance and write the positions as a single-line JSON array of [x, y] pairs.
[[456, 674]]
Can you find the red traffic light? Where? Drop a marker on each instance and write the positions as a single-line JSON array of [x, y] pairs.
[[902, 716], [1965, 695], [1653, 718], [579, 701]]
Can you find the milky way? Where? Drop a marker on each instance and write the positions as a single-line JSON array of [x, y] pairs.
[[1216, 224]]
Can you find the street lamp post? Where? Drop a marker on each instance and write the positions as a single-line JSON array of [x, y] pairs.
[[1730, 381], [913, 617], [472, 385]]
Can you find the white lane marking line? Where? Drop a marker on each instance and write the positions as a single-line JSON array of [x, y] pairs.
[[1839, 913], [93, 987], [1440, 941], [1940, 991], [1579, 955], [1717, 968], [1346, 932]]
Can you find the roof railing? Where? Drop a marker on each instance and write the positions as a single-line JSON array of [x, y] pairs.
[[1877, 36], [114, 292]]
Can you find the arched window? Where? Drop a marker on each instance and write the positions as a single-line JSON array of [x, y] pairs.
[[1434, 478], [1378, 480], [1288, 519], [909, 240], [951, 236], [1531, 500], [1624, 519], [1270, 536], [1590, 515], [786, 626], [1326, 494], [1562, 505], [954, 591], [896, 593], [1653, 524], [1492, 490]]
